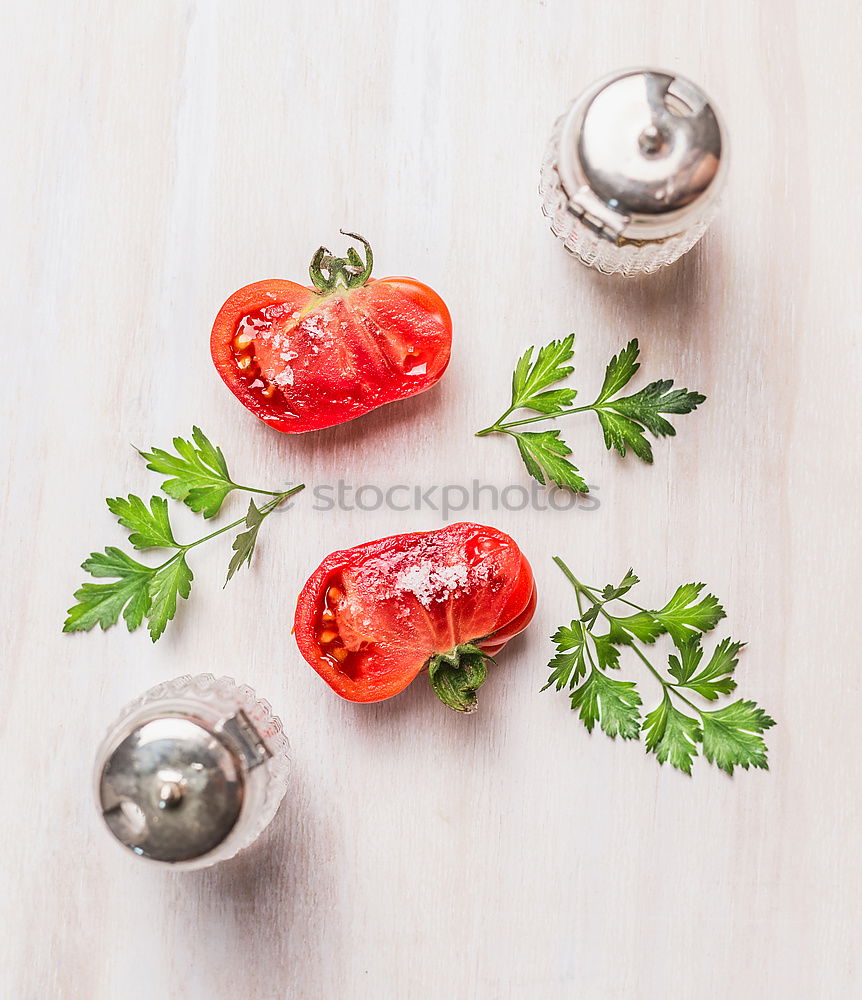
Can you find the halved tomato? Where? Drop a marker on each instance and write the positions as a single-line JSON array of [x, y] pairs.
[[372, 617], [303, 358]]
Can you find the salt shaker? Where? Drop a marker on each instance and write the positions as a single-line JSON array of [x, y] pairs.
[[192, 771], [633, 171]]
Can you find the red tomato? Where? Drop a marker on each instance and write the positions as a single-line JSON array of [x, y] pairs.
[[304, 358], [371, 617]]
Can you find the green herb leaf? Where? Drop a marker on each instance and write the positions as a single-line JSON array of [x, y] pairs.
[[606, 652], [612, 703], [621, 433], [102, 603], [646, 406], [199, 473], [150, 527], [569, 665], [531, 377], [730, 736], [590, 615], [611, 593], [715, 679], [672, 735], [245, 541], [623, 420], [619, 371], [170, 580], [684, 616], [552, 402], [641, 625], [684, 666], [544, 455]]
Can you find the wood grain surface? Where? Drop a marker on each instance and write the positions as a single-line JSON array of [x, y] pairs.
[[159, 155]]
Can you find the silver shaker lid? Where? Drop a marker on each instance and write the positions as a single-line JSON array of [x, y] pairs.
[[172, 787], [640, 155]]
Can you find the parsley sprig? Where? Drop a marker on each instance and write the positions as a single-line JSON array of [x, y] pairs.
[[199, 477], [677, 727], [623, 419]]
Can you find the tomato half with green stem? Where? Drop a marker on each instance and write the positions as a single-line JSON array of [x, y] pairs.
[[371, 618], [303, 358]]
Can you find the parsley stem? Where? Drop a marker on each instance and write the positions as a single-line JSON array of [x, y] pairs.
[[573, 580], [495, 427], [500, 426], [580, 606], [667, 687], [651, 668], [251, 489], [266, 509], [675, 689], [622, 600]]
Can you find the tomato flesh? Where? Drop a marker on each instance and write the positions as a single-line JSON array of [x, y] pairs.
[[369, 618], [301, 360]]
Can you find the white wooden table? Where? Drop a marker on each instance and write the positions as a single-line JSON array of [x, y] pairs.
[[159, 155]]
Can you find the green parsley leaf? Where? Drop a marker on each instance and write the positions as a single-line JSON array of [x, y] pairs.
[[646, 406], [611, 593], [531, 377], [730, 736], [544, 455], [683, 618], [623, 420], [198, 471], [621, 433], [102, 603], [150, 527], [569, 665], [170, 580], [551, 402], [612, 703], [715, 678], [245, 541], [606, 652], [641, 625], [619, 372], [672, 735], [590, 615], [684, 666]]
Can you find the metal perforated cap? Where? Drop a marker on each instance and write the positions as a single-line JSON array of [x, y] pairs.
[[172, 789], [645, 145]]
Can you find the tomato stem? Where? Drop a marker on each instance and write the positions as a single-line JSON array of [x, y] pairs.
[[327, 271], [456, 676]]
